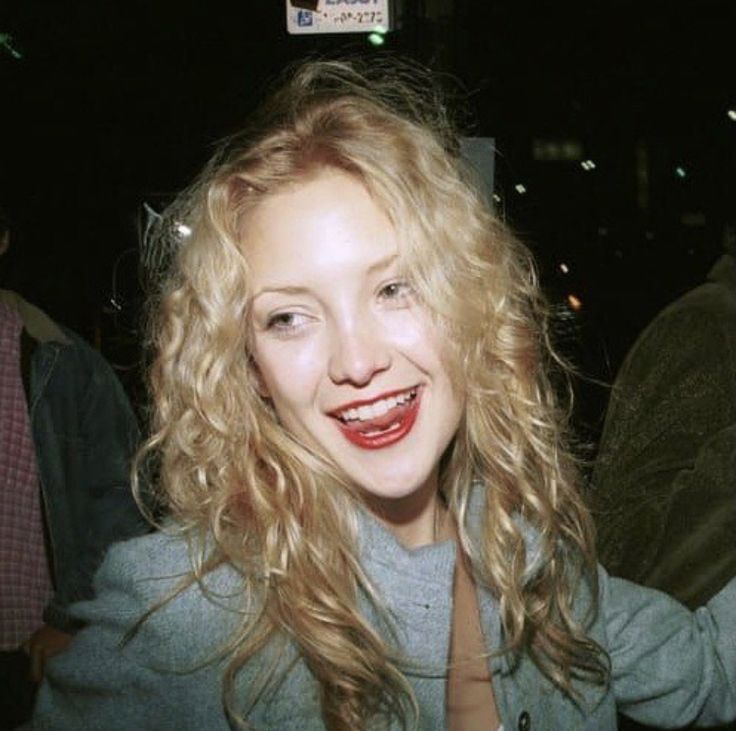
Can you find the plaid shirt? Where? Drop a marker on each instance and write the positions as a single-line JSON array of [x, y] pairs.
[[25, 582]]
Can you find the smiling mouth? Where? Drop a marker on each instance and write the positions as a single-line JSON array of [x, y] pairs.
[[382, 422]]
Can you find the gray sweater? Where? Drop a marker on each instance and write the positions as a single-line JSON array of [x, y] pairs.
[[669, 666]]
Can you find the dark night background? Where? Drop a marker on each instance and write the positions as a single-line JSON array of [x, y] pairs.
[[112, 104]]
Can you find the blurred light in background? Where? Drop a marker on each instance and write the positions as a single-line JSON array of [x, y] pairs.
[[520, 188], [556, 150], [8, 45], [377, 37], [574, 302]]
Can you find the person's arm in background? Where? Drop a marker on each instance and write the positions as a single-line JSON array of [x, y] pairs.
[[89, 444]]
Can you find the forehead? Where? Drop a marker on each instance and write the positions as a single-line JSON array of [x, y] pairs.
[[328, 225]]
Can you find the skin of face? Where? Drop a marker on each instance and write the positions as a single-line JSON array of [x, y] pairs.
[[336, 328]]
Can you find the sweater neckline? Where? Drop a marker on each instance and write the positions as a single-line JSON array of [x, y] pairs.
[[432, 562]]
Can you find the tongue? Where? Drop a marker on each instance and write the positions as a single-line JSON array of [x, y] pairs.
[[380, 422]]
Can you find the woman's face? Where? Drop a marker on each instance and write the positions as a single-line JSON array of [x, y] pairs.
[[351, 362]]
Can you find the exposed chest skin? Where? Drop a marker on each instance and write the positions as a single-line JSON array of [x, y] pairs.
[[470, 702]]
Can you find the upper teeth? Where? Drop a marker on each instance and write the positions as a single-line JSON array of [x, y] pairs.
[[377, 408]]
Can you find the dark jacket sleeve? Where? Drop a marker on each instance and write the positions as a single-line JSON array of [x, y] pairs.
[[663, 490], [86, 434]]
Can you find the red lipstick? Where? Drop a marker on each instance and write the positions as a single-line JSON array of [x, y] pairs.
[[384, 430]]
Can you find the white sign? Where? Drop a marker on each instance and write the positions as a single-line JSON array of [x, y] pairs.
[[340, 16]]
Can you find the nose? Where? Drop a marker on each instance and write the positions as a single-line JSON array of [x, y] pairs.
[[359, 351]]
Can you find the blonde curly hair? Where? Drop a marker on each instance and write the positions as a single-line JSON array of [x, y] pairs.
[[283, 514]]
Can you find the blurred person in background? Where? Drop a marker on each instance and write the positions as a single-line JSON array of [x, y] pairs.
[[664, 483], [67, 434]]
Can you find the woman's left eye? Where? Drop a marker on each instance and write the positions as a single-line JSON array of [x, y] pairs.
[[395, 290]]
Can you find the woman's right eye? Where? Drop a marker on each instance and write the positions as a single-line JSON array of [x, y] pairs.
[[285, 322]]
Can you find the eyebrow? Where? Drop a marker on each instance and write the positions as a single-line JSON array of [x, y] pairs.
[[286, 289], [376, 267], [382, 264]]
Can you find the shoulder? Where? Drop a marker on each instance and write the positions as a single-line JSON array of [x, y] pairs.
[[702, 315], [38, 324], [688, 349], [150, 655], [75, 348], [154, 560], [148, 581], [75, 370], [157, 562]]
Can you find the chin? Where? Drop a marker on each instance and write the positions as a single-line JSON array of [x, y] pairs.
[[398, 485]]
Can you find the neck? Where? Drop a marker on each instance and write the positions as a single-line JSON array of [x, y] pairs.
[[417, 519]]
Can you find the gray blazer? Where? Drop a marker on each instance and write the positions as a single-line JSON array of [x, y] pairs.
[[669, 666]]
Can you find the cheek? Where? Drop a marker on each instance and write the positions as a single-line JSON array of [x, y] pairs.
[[289, 373], [418, 338]]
